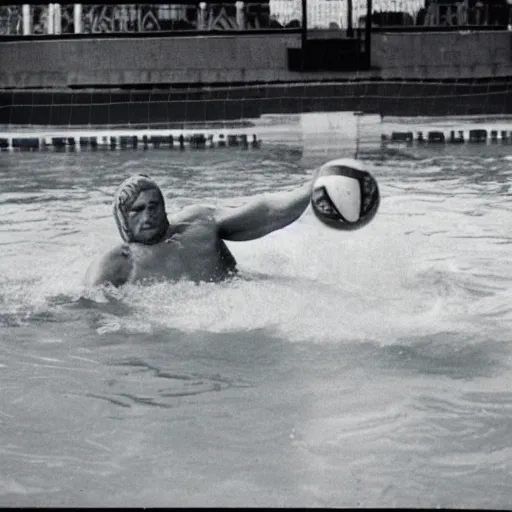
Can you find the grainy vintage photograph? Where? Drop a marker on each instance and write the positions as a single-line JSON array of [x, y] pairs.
[[256, 254]]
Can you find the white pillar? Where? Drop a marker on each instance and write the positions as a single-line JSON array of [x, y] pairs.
[[240, 17], [27, 19], [57, 19], [50, 19], [201, 16], [77, 18]]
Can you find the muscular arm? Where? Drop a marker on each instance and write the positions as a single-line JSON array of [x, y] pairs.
[[263, 215], [114, 267]]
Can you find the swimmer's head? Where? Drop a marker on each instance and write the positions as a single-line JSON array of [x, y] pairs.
[[139, 210]]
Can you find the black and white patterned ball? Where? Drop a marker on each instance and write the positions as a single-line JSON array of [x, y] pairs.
[[345, 196]]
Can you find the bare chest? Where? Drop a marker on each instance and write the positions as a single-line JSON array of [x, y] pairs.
[[193, 254]]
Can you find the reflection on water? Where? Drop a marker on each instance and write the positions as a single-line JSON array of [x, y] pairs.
[[368, 368]]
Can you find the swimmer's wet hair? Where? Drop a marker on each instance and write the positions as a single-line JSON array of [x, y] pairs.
[[125, 196]]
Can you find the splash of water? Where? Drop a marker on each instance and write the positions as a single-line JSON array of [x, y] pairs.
[[411, 272]]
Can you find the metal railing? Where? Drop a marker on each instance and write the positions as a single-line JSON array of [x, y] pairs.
[[43, 18], [436, 14], [187, 15]]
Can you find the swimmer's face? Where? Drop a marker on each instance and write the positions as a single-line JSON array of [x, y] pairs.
[[147, 219]]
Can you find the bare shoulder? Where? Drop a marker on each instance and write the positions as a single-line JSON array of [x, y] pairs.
[[115, 267], [191, 214]]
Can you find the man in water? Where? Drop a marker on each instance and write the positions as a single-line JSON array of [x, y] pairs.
[[188, 244]]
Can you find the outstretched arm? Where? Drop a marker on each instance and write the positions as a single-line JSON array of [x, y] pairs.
[[263, 215]]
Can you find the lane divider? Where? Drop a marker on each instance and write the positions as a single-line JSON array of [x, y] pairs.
[[449, 136], [89, 140]]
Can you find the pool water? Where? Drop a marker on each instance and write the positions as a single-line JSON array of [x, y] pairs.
[[342, 369]]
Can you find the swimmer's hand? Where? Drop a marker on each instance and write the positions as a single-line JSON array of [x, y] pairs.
[[114, 267]]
